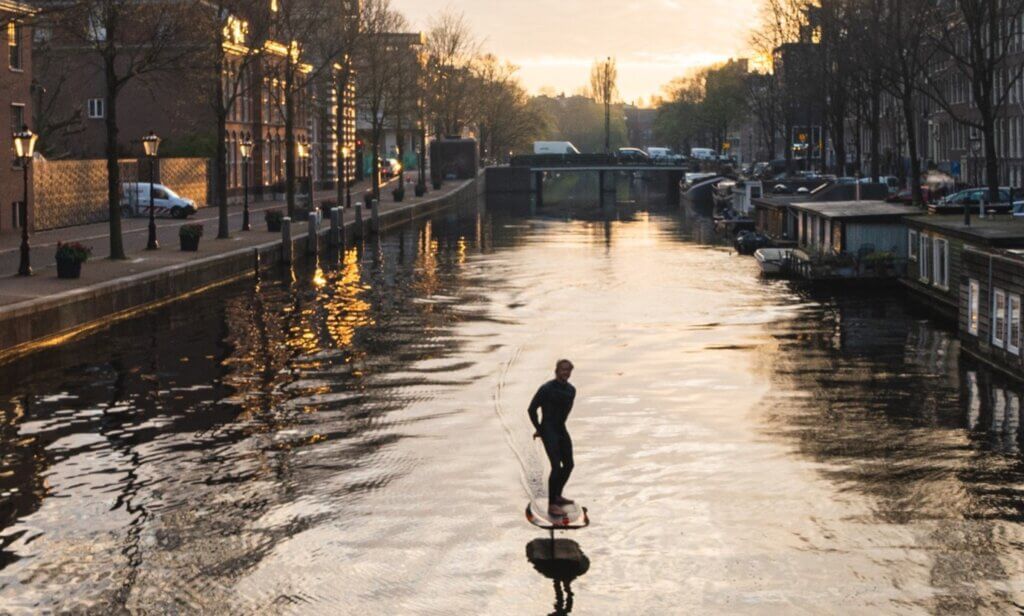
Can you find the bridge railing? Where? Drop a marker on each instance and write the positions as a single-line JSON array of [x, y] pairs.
[[563, 160], [583, 160]]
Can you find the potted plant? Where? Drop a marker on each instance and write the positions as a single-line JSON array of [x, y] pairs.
[[399, 193], [70, 257], [273, 218], [189, 236], [421, 189]]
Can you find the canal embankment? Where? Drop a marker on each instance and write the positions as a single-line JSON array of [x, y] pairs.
[[43, 310]]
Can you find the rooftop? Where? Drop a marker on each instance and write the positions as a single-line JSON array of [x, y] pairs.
[[999, 230], [857, 209]]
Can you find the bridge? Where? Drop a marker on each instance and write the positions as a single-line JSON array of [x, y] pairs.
[[525, 173]]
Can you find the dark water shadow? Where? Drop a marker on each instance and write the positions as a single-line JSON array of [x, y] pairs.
[[561, 561]]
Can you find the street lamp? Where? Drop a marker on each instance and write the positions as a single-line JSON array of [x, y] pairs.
[[421, 183], [345, 151], [24, 148], [303, 151], [151, 144], [975, 149], [245, 148]]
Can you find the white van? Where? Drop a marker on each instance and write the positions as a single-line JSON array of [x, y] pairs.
[[135, 201], [703, 154], [554, 147], [664, 155]]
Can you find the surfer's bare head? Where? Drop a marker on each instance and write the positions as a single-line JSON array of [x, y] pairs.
[[563, 369]]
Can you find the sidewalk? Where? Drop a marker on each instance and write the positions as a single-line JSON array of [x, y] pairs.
[[99, 269], [135, 231]]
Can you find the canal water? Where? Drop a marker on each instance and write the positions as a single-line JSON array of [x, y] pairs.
[[351, 438]]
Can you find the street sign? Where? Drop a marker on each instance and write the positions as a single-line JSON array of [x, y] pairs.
[[726, 145], [954, 168]]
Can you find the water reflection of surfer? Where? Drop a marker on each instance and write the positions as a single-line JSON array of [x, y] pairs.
[[555, 399]]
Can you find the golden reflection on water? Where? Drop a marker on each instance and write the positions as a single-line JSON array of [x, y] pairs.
[[328, 439]]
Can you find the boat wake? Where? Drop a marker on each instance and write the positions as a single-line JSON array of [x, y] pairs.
[[519, 436]]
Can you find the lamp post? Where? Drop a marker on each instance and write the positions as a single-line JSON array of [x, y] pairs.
[[303, 156], [421, 183], [24, 148], [245, 148], [345, 151], [151, 144]]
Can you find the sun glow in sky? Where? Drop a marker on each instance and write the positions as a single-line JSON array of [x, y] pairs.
[[554, 42]]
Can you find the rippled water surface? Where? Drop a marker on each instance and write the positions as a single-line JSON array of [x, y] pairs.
[[352, 439]]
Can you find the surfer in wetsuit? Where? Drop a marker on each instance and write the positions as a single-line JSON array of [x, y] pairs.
[[555, 398]]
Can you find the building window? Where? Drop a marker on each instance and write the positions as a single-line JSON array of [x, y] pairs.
[[14, 45], [973, 303], [912, 245], [17, 117], [940, 264], [999, 318], [96, 108], [1013, 339], [924, 251]]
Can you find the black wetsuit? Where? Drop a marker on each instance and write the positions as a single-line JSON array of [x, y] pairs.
[[555, 398]]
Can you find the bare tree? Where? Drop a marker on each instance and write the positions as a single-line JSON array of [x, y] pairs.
[[375, 73], [349, 37], [976, 42], [451, 50], [604, 77], [503, 117], [128, 41], [307, 48], [234, 38], [905, 27]]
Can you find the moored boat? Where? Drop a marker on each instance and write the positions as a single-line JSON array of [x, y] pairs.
[[773, 261]]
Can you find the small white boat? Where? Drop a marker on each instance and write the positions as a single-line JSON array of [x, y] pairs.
[[773, 260]]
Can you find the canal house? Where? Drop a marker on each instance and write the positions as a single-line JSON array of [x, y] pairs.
[[990, 294], [935, 246], [850, 239]]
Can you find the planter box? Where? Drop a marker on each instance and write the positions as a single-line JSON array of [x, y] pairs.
[[69, 268], [189, 244]]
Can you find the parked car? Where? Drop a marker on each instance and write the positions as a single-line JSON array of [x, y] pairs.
[[891, 181], [135, 201], [703, 154], [906, 196], [632, 155], [977, 196], [665, 155], [391, 168]]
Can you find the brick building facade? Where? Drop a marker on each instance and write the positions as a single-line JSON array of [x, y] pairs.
[[175, 104], [16, 102]]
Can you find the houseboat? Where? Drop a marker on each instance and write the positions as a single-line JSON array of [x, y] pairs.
[[990, 289], [935, 246], [850, 239], [775, 217]]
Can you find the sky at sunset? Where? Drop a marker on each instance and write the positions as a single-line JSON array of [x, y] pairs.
[[554, 42]]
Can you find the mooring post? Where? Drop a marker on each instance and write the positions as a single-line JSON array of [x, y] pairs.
[[539, 181], [334, 238], [375, 215], [312, 234], [286, 240]]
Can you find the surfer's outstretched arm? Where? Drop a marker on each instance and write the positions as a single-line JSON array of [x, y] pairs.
[[532, 411]]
